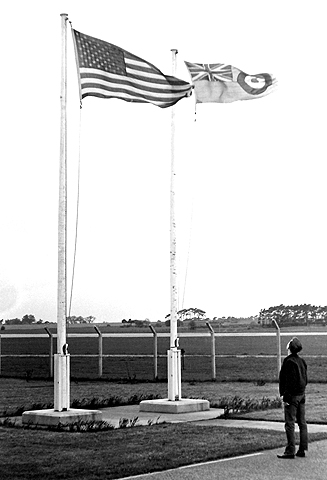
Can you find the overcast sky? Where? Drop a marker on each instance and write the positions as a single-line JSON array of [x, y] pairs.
[[251, 176]]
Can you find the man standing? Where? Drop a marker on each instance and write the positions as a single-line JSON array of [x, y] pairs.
[[292, 384]]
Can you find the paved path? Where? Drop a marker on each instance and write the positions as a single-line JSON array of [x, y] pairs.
[[259, 466], [205, 418], [113, 415], [279, 426]]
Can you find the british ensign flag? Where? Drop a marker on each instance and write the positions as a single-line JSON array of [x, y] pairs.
[[221, 83]]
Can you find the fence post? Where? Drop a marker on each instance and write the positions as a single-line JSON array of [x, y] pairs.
[[155, 352], [50, 351], [279, 350], [213, 351], [100, 349]]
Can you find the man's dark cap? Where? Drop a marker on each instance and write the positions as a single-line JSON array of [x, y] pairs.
[[295, 345]]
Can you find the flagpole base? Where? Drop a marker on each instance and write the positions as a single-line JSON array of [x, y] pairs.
[[184, 405], [174, 374], [52, 417], [61, 382]]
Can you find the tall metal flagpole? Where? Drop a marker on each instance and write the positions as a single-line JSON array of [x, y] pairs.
[[175, 403], [62, 359], [174, 359], [61, 412]]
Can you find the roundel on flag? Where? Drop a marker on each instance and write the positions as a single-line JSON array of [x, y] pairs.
[[254, 84]]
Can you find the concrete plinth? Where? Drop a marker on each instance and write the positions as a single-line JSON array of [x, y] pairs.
[[185, 405], [52, 417]]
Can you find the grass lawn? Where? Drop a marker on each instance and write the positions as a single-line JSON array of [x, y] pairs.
[[45, 455], [28, 454]]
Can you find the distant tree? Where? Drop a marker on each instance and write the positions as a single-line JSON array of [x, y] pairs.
[[28, 319], [74, 320], [182, 313], [13, 321], [188, 314]]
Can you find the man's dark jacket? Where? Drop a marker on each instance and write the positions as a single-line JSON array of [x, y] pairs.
[[293, 377]]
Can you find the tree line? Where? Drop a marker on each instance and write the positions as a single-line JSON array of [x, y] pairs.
[[25, 320], [305, 314], [30, 319]]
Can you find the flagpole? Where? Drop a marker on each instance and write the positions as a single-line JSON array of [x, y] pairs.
[[173, 275], [174, 367], [61, 413], [61, 359]]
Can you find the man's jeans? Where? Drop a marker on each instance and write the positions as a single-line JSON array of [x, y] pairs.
[[295, 411]]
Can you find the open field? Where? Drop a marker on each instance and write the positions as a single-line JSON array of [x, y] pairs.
[[238, 358]]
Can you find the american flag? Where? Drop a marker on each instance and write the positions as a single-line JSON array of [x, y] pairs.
[[210, 71], [107, 71]]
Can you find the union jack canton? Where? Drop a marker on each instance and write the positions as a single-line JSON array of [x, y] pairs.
[[210, 71]]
